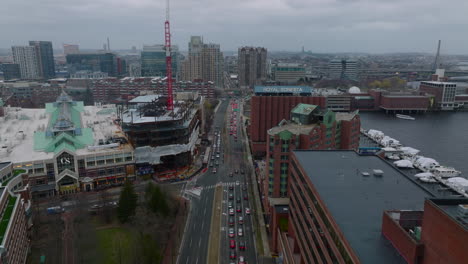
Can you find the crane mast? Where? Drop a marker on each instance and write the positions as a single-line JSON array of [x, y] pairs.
[[167, 44]]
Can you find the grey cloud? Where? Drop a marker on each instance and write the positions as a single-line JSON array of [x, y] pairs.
[[319, 25]]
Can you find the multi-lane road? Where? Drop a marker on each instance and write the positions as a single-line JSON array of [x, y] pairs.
[[195, 243]]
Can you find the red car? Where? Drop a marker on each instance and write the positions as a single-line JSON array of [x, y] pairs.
[[232, 255], [242, 245], [232, 243]]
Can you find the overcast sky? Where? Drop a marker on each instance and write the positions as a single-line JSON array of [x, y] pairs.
[[319, 25]]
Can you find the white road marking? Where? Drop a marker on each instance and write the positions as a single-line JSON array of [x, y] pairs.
[[199, 243], [203, 224], [190, 242]]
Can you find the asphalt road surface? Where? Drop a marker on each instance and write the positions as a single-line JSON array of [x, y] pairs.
[[195, 242]]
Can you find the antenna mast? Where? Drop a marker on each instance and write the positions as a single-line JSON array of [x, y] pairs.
[[167, 38]]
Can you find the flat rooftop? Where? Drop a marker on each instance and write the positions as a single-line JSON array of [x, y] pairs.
[[452, 208], [291, 127], [357, 202], [20, 124], [4, 164]]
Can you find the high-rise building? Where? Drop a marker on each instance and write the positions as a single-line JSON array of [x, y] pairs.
[[343, 69], [94, 62], [27, 59], [212, 64], [153, 60], [11, 71], [204, 62], [252, 66], [45, 54], [195, 45], [70, 49]]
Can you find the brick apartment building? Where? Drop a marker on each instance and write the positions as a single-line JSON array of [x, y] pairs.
[[309, 128], [270, 105], [338, 213], [110, 89]]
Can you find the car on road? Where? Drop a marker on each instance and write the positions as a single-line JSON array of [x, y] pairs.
[[237, 183], [240, 232], [231, 187], [244, 187], [236, 171], [231, 211], [217, 163], [214, 170], [217, 156], [232, 243], [211, 164], [230, 204], [247, 211], [231, 174], [238, 200], [246, 197], [242, 172], [242, 260], [231, 232], [231, 221], [241, 245], [232, 254], [238, 209], [241, 220], [231, 196]]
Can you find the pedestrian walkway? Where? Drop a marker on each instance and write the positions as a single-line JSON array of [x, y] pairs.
[[198, 190]]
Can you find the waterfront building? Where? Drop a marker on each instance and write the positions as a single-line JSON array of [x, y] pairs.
[[288, 73], [270, 105], [309, 127], [349, 208], [15, 219], [252, 66], [336, 211], [443, 94], [45, 55], [66, 147], [343, 69], [94, 62], [153, 61], [27, 59]]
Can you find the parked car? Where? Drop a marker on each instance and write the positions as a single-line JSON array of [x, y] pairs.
[[247, 211], [232, 243]]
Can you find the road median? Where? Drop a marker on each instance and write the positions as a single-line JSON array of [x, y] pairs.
[[215, 236]]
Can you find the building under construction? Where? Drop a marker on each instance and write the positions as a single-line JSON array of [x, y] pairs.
[[165, 141]]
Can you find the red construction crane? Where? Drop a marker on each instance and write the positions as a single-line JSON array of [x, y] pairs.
[[167, 37]]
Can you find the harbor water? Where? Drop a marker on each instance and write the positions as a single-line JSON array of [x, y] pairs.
[[441, 136]]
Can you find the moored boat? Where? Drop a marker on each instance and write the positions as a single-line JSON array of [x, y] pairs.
[[407, 117]]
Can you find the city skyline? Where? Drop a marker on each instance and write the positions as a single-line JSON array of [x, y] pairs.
[[326, 26]]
